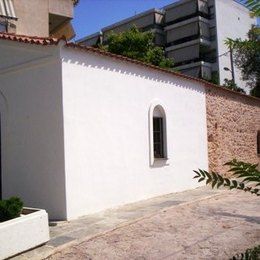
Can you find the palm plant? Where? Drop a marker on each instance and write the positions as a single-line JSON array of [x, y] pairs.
[[252, 5], [246, 172], [249, 177]]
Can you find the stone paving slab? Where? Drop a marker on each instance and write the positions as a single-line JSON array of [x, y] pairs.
[[68, 233], [212, 228]]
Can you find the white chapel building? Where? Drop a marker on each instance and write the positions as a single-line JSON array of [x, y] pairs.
[[84, 130]]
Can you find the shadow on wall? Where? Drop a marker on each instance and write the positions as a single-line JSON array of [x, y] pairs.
[[99, 62]]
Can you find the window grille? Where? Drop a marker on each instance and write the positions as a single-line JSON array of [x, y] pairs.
[[158, 142]]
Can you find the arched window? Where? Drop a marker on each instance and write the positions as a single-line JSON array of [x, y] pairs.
[[158, 133]]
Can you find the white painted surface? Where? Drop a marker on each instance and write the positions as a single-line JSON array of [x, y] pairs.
[[233, 21], [23, 233], [106, 130], [76, 133], [32, 126]]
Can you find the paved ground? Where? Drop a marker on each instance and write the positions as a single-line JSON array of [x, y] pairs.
[[215, 228], [195, 224], [65, 233]]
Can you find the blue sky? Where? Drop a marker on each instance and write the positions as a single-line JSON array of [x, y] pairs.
[[92, 15]]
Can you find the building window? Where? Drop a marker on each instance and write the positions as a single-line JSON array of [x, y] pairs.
[[258, 142], [158, 136], [2, 27]]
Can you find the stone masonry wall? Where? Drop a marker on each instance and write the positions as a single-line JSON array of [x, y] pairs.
[[233, 121]]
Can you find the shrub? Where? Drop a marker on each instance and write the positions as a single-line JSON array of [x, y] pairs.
[[10, 208]]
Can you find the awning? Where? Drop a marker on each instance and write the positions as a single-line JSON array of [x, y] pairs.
[[7, 9]]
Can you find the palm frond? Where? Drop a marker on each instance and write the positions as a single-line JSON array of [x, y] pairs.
[[246, 171], [252, 5]]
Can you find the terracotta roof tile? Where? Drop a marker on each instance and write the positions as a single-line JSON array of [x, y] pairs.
[[29, 39], [55, 41]]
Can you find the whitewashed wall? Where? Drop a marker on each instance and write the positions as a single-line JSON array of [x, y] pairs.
[[32, 126], [106, 104], [98, 108], [233, 21]]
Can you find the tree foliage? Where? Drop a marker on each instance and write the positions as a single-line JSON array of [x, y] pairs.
[[233, 86], [137, 45], [247, 58], [247, 172], [253, 6]]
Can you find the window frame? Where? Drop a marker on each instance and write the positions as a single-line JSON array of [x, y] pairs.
[[160, 161]]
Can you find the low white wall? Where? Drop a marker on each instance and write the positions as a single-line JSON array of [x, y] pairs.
[[106, 106], [23, 233], [32, 127]]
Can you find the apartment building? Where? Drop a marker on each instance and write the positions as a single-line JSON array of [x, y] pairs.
[[192, 33], [44, 18]]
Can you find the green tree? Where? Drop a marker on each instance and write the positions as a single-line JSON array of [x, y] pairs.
[[246, 54], [229, 83], [137, 45], [253, 6]]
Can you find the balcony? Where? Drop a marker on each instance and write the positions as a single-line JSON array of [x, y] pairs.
[[184, 10], [60, 15], [91, 40], [149, 20], [189, 51], [198, 69], [191, 29], [62, 8]]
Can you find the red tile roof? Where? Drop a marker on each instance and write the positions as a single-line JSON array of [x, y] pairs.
[[29, 39], [55, 41]]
